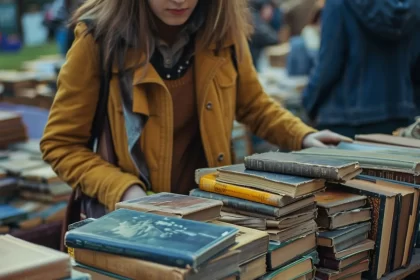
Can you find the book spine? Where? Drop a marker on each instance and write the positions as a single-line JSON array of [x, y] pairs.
[[292, 168], [328, 263], [209, 184], [413, 243], [126, 267], [155, 254], [237, 203], [392, 175]]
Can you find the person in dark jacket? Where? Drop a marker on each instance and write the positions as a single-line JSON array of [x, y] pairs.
[[365, 79], [267, 20]]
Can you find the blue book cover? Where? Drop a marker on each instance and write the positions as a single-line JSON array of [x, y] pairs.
[[160, 239], [274, 177], [10, 214]]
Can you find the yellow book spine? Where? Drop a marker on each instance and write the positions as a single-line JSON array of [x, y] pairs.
[[208, 183]]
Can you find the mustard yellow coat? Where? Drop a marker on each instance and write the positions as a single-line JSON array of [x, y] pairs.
[[221, 98]]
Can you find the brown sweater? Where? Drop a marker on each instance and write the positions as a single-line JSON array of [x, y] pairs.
[[188, 153]]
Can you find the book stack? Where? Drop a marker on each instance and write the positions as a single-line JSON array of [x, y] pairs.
[[343, 245], [390, 182], [252, 244], [24, 260], [12, 129], [129, 244], [274, 192], [31, 194]]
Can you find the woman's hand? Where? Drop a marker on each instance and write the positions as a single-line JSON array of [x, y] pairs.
[[323, 139], [133, 192]]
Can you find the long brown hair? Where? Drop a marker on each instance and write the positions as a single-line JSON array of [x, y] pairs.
[[124, 24]]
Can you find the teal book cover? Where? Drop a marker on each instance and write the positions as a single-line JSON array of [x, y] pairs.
[[160, 239]]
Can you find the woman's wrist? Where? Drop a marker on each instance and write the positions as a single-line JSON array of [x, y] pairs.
[[133, 192]]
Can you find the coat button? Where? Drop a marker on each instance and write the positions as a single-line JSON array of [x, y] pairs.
[[221, 157], [209, 105]]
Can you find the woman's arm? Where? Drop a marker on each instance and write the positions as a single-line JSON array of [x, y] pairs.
[[68, 129], [266, 118]]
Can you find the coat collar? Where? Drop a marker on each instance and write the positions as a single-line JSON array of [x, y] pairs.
[[205, 67]]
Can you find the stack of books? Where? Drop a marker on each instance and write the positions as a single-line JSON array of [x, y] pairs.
[[12, 129], [129, 244], [274, 192], [390, 182], [343, 245], [24, 260], [31, 194], [252, 243]]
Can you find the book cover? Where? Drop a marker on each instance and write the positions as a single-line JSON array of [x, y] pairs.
[[384, 223], [330, 198], [372, 160], [209, 183], [170, 204], [341, 235], [165, 240], [389, 140], [278, 178], [237, 203], [301, 165], [10, 214]]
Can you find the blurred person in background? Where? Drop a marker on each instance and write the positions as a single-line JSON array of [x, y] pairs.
[[57, 19], [365, 79], [267, 20]]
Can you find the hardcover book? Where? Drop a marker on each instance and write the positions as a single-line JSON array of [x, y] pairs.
[[245, 205], [165, 240], [10, 214], [209, 183], [334, 202], [385, 206], [305, 166], [333, 238], [360, 246], [343, 219], [297, 269], [281, 254], [389, 140], [176, 205], [370, 160], [328, 274], [124, 268], [282, 184], [20, 259], [250, 242]]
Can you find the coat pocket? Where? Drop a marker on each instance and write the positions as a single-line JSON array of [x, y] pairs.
[[226, 83]]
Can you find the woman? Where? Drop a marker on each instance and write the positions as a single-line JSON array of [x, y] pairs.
[[180, 93], [365, 81]]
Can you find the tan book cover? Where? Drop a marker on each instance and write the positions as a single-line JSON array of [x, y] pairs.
[[18, 166], [170, 204], [219, 267], [20, 259], [251, 242], [43, 173], [330, 199]]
